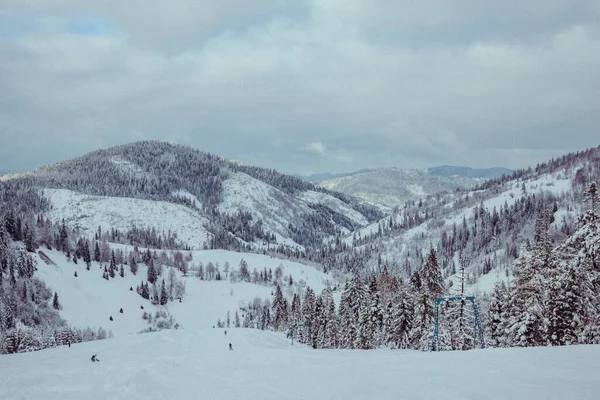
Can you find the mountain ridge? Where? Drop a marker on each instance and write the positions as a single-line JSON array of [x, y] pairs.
[[467, 172], [393, 187], [215, 189]]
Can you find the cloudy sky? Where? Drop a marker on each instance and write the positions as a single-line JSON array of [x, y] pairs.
[[302, 86]]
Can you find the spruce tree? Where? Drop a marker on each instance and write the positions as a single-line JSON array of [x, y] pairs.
[[163, 294], [371, 320], [151, 271], [133, 267], [525, 322], [496, 314], [431, 276], [55, 303], [280, 311], [96, 252]]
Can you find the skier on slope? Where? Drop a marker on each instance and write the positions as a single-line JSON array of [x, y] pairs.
[[94, 359], [230, 347]]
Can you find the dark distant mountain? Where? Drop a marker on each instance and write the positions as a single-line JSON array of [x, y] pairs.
[[466, 172], [318, 178]]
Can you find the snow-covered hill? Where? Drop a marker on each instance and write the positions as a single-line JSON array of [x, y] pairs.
[[88, 300], [264, 365], [87, 213], [481, 228], [394, 187], [200, 197]]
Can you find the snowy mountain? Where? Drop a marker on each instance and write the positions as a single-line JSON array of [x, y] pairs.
[[392, 187], [318, 178], [526, 246], [466, 172], [482, 228], [199, 199]]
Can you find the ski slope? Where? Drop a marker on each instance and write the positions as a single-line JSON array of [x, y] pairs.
[[90, 300], [264, 365]]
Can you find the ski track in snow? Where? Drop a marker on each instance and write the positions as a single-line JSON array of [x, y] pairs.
[[264, 365]]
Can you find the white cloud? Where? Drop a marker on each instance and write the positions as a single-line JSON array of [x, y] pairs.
[[391, 82], [316, 148]]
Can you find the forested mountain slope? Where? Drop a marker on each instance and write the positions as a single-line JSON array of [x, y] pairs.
[[211, 202], [481, 229]]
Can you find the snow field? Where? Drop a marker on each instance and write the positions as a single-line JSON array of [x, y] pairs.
[[88, 212], [264, 365], [89, 300]]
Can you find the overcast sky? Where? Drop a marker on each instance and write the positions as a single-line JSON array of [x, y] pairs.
[[302, 86]]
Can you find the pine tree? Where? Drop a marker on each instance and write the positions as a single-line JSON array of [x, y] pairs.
[[96, 252], [421, 335], [399, 320], [163, 294], [330, 320], [86, 255], [565, 303], [151, 271], [353, 296], [280, 311], [525, 322], [496, 313], [371, 320], [308, 311], [55, 303], [431, 276], [237, 320], [133, 267]]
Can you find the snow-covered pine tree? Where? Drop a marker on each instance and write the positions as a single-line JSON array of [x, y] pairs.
[[151, 271], [353, 296], [496, 313], [280, 312], [421, 334], [163, 294], [330, 320], [431, 276], [133, 267], [399, 320], [525, 325], [55, 303], [581, 254], [370, 331], [308, 311]]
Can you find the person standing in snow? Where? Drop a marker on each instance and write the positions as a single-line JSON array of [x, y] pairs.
[[225, 332], [230, 347]]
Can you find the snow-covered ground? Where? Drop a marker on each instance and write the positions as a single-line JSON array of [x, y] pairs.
[[264, 365], [90, 300], [89, 212]]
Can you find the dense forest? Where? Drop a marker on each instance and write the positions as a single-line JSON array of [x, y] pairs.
[[553, 300], [157, 170], [545, 242]]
